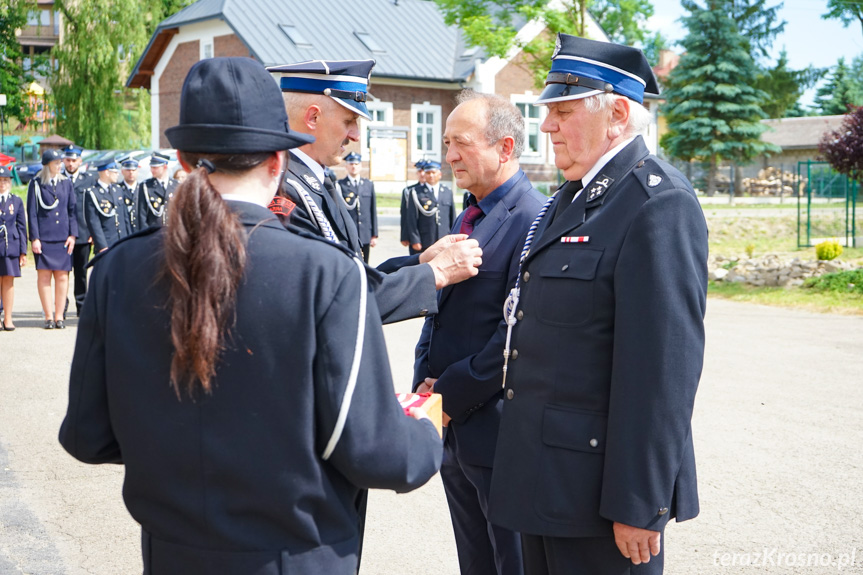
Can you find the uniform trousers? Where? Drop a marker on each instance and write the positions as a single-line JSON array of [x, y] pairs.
[[80, 257], [582, 556], [366, 252], [483, 548]]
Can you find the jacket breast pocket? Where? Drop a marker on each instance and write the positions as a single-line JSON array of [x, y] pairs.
[[567, 275]]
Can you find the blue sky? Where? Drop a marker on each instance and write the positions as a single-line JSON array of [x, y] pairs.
[[808, 38]]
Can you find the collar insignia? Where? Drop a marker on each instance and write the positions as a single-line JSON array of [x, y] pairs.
[[653, 180], [599, 186], [312, 182]]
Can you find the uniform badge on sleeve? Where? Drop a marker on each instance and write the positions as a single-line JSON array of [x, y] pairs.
[[653, 180]]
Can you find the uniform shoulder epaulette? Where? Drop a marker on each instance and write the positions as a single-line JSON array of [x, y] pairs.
[[653, 177], [141, 233]]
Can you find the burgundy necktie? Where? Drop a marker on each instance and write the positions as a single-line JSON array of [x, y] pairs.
[[471, 214]]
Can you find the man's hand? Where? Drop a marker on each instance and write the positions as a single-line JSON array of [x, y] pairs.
[[427, 386], [456, 263], [440, 246], [374, 241], [636, 544], [416, 247], [405, 243]]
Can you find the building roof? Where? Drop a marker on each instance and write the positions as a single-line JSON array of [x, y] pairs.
[[407, 38], [800, 133]]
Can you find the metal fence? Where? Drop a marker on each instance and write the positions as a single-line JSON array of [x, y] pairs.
[[828, 206]]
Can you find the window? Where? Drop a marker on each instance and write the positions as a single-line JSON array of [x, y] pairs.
[[381, 114], [45, 18], [56, 23], [208, 50], [534, 139], [425, 125], [369, 42], [295, 36]]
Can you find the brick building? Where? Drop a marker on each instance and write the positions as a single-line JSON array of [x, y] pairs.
[[421, 65]]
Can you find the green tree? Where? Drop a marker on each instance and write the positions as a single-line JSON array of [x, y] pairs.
[[712, 107], [756, 22], [13, 77], [846, 11], [785, 86], [841, 90], [490, 24]]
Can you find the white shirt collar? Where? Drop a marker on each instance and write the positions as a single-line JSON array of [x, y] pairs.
[[600, 163], [103, 185], [315, 167]]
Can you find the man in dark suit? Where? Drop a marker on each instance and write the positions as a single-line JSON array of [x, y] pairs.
[[106, 213], [328, 107], [430, 210], [83, 243], [459, 351], [360, 199], [594, 454]]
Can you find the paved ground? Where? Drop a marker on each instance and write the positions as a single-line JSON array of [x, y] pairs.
[[778, 431]]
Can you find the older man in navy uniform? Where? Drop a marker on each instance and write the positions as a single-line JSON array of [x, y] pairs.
[[106, 213], [155, 193], [594, 454], [361, 201], [458, 354], [81, 180], [430, 210], [325, 99]]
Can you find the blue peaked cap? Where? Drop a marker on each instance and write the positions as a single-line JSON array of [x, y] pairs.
[[581, 68], [107, 165], [345, 81], [72, 152], [431, 165], [353, 158]]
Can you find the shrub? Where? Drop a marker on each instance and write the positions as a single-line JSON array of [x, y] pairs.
[[843, 282], [828, 250]]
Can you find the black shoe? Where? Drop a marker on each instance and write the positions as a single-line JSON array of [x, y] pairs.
[[49, 324], [8, 328], [60, 324]]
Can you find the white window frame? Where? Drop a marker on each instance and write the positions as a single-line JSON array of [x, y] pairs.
[[539, 156], [207, 43], [435, 152], [374, 106]]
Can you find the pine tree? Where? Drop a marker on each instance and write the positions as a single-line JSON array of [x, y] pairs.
[[712, 107], [841, 90], [785, 87]]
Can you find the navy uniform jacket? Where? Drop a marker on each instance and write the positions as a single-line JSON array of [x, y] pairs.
[[81, 181], [130, 199], [407, 291], [13, 237], [427, 229], [235, 482], [107, 215], [153, 200], [461, 345], [60, 221], [365, 211], [606, 358]]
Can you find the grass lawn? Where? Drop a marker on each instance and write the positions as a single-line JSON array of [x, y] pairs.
[[798, 298]]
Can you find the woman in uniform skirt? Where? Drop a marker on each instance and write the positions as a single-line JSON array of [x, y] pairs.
[[13, 245], [238, 368], [53, 222]]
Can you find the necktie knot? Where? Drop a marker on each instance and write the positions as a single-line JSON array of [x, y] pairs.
[[471, 215]]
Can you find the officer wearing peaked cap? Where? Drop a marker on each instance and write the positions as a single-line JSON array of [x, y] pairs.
[[155, 193], [81, 180], [595, 450], [106, 212], [406, 198], [430, 209], [129, 186], [324, 99], [361, 202]]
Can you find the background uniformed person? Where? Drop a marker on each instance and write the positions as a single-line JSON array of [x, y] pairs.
[[155, 193], [107, 215], [325, 99], [430, 210], [81, 180], [360, 199], [594, 454], [252, 459], [13, 245], [406, 196], [129, 186], [52, 219]]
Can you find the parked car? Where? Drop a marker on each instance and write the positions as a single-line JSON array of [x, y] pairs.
[[27, 170]]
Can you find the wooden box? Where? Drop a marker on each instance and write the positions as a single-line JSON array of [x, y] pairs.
[[431, 403]]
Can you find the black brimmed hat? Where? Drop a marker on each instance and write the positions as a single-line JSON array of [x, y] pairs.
[[581, 68], [232, 106], [49, 156]]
